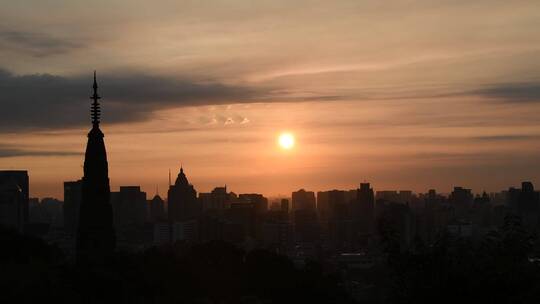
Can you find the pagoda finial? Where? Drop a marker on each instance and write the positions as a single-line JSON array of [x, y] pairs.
[[95, 110]]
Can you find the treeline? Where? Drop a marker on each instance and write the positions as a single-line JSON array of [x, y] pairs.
[[214, 272], [504, 267]]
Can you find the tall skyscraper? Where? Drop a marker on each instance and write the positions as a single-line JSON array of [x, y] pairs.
[[95, 237], [363, 209], [182, 200]]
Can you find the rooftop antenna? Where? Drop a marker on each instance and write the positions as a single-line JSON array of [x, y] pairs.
[[169, 177]]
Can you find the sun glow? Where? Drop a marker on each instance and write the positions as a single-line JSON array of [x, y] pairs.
[[286, 141]]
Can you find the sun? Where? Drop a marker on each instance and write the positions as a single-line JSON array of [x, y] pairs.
[[286, 141]]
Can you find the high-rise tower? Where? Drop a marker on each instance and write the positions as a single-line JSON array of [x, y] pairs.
[[182, 200], [363, 209], [95, 235]]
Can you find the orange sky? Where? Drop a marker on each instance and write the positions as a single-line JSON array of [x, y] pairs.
[[406, 95]]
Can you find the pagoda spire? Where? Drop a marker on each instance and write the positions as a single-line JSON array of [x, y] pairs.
[[96, 238], [95, 109]]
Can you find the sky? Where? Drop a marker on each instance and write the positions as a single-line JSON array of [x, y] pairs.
[[403, 94]]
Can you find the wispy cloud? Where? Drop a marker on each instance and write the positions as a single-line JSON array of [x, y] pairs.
[[513, 92], [37, 44], [13, 151], [504, 138]]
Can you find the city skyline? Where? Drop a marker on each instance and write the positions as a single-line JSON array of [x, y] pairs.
[[271, 151], [400, 95]]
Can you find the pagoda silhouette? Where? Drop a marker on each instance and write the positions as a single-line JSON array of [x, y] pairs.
[[95, 236]]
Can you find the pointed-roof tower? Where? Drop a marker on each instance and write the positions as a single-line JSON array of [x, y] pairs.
[[181, 179], [95, 236]]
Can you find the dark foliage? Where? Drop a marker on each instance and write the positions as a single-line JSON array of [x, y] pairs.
[[214, 272], [499, 269]]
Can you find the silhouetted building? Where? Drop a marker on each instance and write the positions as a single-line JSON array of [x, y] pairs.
[[396, 224], [435, 216], [48, 210], [185, 231], [72, 205], [335, 219], [182, 199], [241, 220], [481, 213], [157, 209], [327, 202], [363, 209], [388, 195], [34, 215], [432, 199], [218, 199], [130, 216], [401, 197], [275, 205], [129, 207], [96, 236], [303, 199], [162, 233], [306, 226], [323, 204], [212, 226], [258, 200], [461, 200], [285, 205], [525, 202], [460, 228], [14, 195], [277, 232], [528, 200]]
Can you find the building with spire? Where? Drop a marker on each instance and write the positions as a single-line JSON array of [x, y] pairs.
[[182, 199], [95, 235]]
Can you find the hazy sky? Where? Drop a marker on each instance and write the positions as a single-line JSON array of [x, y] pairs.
[[404, 94]]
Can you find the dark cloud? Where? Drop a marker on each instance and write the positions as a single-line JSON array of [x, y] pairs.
[[37, 44], [513, 92], [49, 102], [43, 101], [497, 138], [11, 151]]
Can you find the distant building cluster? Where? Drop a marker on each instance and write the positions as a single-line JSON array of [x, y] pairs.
[[305, 224]]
